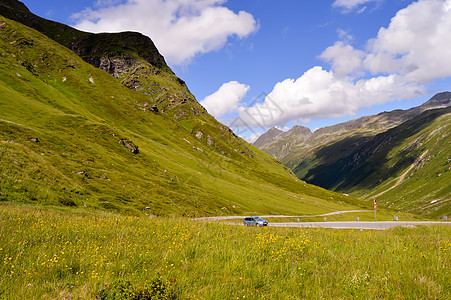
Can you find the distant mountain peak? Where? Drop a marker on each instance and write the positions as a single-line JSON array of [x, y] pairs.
[[441, 99], [272, 134], [275, 129], [293, 146], [298, 129]]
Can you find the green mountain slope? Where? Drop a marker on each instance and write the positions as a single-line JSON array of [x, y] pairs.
[[73, 135], [407, 167], [299, 143], [135, 61]]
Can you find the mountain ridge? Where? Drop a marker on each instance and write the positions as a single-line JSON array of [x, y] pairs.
[[407, 167], [129, 56], [291, 149], [381, 155], [72, 135]]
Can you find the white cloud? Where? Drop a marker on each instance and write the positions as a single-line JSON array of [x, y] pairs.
[[226, 99], [416, 44], [181, 29], [413, 51], [319, 94], [350, 5]]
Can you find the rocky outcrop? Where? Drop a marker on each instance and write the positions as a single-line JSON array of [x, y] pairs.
[[133, 58], [117, 53], [129, 145]]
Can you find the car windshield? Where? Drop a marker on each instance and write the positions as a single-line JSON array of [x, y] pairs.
[[257, 218]]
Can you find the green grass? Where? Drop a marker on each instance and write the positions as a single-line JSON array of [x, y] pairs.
[[79, 113], [426, 188], [406, 168], [60, 254]]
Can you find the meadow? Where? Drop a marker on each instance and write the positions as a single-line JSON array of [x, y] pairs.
[[50, 254]]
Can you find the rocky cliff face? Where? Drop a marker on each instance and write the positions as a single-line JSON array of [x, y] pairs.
[[118, 53], [134, 59]]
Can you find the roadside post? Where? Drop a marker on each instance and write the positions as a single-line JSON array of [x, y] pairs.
[[375, 208]]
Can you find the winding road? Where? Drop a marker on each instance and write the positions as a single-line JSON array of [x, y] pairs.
[[378, 225], [277, 216]]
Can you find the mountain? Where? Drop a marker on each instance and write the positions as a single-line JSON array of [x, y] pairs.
[[129, 56], [113, 128], [407, 167], [293, 146], [402, 157]]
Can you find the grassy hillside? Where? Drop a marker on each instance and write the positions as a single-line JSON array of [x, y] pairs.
[[407, 167], [424, 185], [64, 131], [54, 255]]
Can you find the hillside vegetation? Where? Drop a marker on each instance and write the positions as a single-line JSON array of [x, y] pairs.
[[407, 167], [73, 135], [402, 157]]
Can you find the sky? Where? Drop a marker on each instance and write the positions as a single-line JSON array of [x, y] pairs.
[[258, 64]]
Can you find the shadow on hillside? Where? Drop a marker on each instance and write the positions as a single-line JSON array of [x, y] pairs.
[[360, 162]]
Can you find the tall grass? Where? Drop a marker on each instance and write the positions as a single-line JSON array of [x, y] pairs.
[[48, 254]]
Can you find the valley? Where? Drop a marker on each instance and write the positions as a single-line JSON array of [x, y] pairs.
[[398, 157], [116, 183]]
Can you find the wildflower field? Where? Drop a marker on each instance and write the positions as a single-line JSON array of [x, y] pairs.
[[48, 254]]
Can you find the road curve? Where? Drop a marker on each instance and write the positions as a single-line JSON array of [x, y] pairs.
[[277, 216]]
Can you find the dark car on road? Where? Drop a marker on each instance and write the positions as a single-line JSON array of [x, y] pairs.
[[255, 221]]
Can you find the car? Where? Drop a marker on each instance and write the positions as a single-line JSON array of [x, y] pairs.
[[255, 221]]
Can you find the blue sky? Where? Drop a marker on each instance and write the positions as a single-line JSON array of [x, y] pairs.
[[255, 64]]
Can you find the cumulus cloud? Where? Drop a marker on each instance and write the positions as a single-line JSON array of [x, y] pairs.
[[349, 5], [319, 94], [225, 99], [181, 29], [416, 44], [397, 64]]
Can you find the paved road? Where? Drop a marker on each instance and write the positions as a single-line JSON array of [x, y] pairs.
[[275, 216], [381, 225]]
